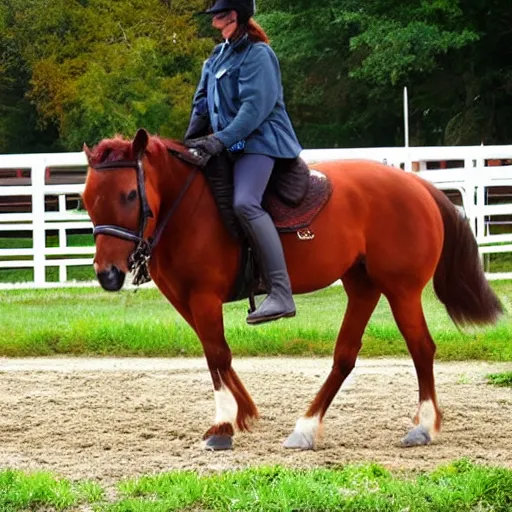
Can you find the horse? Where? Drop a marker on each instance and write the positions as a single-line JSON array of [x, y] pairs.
[[383, 231]]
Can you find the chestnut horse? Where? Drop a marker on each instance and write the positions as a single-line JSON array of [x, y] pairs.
[[383, 231]]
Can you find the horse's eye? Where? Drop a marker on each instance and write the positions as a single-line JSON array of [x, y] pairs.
[[132, 195]]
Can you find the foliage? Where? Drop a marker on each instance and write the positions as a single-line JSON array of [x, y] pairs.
[[347, 62], [81, 70], [98, 68]]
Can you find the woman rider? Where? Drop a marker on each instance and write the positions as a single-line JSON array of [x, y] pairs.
[[239, 102]]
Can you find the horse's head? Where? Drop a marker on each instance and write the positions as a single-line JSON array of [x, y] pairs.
[[122, 202]]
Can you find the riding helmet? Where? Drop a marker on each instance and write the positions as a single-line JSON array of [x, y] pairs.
[[244, 8]]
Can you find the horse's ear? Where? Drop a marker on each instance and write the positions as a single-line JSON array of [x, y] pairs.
[[140, 143], [88, 153]]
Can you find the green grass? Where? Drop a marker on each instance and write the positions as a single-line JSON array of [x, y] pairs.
[[25, 275], [41, 490], [498, 262], [93, 322], [51, 241], [501, 379], [459, 486], [77, 273]]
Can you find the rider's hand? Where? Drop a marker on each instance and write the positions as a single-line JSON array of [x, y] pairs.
[[209, 145]]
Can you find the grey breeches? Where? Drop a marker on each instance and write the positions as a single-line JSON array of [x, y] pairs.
[[251, 175]]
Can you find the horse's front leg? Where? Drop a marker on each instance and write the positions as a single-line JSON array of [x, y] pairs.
[[233, 404]]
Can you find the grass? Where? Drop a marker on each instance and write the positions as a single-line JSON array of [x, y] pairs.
[[459, 486], [41, 490], [501, 379], [498, 262], [77, 273], [94, 322], [74, 240]]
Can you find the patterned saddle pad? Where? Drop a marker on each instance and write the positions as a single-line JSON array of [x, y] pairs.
[[290, 219]]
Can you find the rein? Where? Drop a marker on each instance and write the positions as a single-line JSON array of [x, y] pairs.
[[138, 260]]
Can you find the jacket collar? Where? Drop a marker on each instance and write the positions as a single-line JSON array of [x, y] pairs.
[[238, 46], [241, 43]]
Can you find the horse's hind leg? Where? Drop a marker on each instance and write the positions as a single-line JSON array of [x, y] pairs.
[[363, 296], [408, 313]]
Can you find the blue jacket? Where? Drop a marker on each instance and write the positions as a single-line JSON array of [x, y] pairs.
[[241, 92]]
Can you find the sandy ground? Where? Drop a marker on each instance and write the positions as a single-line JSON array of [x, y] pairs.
[[108, 419]]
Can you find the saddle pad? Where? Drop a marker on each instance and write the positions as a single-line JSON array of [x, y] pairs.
[[290, 219]]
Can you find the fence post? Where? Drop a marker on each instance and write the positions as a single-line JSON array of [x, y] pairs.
[[480, 182], [470, 184], [63, 242], [38, 214]]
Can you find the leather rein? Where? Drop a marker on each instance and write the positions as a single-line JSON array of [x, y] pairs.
[[138, 260]]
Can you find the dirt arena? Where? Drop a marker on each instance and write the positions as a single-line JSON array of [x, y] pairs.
[[108, 419]]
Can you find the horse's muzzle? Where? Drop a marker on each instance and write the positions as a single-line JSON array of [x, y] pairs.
[[111, 280]]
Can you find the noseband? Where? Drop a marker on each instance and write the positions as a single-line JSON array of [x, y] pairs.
[[138, 260]]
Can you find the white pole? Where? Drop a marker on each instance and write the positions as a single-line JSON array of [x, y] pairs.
[[407, 163], [39, 233], [406, 118]]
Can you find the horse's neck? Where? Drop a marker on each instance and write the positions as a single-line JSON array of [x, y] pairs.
[[196, 211], [195, 250], [173, 180], [193, 242]]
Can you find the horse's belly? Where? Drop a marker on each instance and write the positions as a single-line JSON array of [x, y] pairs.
[[320, 259]]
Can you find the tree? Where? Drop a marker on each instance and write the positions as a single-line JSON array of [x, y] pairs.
[[452, 54], [98, 68], [80, 70], [18, 118]]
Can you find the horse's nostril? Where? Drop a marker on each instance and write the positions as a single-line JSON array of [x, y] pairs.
[[112, 279]]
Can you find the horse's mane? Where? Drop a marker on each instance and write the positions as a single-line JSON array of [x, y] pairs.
[[119, 148]]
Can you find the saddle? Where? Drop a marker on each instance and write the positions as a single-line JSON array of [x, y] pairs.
[[293, 198]]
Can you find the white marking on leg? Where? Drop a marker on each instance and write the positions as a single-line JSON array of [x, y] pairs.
[[308, 426], [225, 406], [427, 416], [305, 434]]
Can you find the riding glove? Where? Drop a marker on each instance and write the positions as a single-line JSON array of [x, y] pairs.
[[209, 145]]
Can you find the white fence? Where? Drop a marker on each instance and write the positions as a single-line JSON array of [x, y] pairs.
[[468, 175], [39, 257]]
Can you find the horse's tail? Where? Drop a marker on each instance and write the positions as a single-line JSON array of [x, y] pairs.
[[459, 279]]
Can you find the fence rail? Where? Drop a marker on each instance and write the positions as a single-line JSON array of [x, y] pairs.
[[468, 172]]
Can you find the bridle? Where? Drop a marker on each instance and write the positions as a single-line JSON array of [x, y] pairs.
[[138, 260]]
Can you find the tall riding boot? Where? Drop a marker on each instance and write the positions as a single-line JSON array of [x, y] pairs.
[[269, 252]]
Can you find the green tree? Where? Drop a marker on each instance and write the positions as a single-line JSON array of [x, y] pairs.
[[98, 68], [80, 70], [347, 61], [19, 130]]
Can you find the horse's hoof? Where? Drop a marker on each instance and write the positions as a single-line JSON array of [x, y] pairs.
[[418, 436], [300, 441], [218, 443]]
